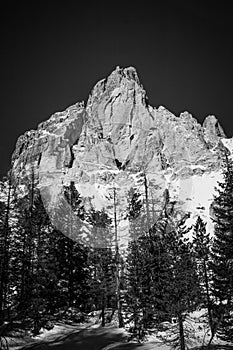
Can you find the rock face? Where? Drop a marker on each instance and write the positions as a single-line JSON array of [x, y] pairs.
[[114, 142]]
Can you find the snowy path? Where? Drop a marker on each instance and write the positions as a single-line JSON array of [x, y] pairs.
[[90, 338]]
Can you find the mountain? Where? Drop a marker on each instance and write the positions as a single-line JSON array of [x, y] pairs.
[[116, 142]]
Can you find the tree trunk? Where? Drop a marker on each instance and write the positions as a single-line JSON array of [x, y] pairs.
[[208, 302], [28, 237], [70, 277], [181, 331], [36, 323], [70, 257], [117, 258], [147, 203], [118, 294], [103, 312]]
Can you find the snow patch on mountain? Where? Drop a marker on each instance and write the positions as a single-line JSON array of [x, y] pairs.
[[229, 144]]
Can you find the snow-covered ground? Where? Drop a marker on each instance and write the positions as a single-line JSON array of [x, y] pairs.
[[196, 330], [53, 335]]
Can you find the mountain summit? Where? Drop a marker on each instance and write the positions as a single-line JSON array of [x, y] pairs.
[[117, 142]]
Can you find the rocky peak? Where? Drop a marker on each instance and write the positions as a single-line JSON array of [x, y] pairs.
[[128, 73], [212, 129], [116, 138], [120, 81]]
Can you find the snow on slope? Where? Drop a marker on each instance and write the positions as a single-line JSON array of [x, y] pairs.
[[201, 195], [202, 191], [194, 194], [229, 144]]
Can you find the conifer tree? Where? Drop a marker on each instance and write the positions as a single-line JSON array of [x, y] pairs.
[[5, 211], [118, 262], [28, 234], [134, 210], [74, 199], [201, 246], [147, 268], [177, 268], [183, 290], [73, 258], [222, 253], [161, 272], [45, 270], [102, 281], [100, 234], [102, 284], [71, 273], [133, 296], [40, 275], [30, 258], [134, 204]]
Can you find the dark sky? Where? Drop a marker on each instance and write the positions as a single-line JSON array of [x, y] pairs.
[[52, 53]]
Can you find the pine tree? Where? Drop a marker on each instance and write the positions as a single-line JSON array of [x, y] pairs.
[[222, 253], [134, 204], [147, 266], [183, 290], [161, 275], [146, 276], [134, 210], [5, 213], [40, 275], [30, 258], [49, 257], [31, 264], [201, 247], [71, 273], [72, 258], [100, 233], [180, 282], [118, 261], [28, 234], [133, 296], [102, 283], [74, 199], [45, 270], [4, 253]]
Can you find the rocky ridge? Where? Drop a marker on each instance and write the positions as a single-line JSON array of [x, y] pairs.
[[111, 143]]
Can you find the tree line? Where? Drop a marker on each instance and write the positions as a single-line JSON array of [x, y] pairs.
[[45, 276]]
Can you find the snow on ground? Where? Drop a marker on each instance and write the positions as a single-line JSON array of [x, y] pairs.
[[59, 330], [196, 329], [111, 337]]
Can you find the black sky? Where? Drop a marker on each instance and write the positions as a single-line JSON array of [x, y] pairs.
[[52, 53]]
